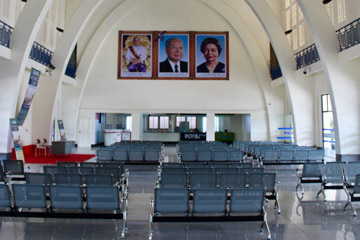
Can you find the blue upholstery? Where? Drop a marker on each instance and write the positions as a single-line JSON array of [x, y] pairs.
[[29, 196], [4, 196], [210, 201], [102, 198], [173, 180], [97, 179], [250, 200], [66, 197], [169, 200], [202, 180]]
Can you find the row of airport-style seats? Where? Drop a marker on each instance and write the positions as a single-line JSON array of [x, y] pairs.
[[280, 153], [88, 190], [203, 151], [138, 151]]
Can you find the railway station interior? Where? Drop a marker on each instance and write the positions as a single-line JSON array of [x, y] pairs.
[[83, 79]]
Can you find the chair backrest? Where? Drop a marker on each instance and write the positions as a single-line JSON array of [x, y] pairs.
[[67, 164], [102, 198], [66, 197], [169, 200], [226, 170], [235, 155], [173, 180], [104, 154], [152, 155], [89, 164], [286, 155], [115, 172], [333, 172], [301, 155], [247, 200], [210, 201], [219, 155], [98, 179], [200, 170], [14, 167], [311, 170], [68, 179], [356, 189], [194, 164], [252, 170], [241, 165], [204, 155], [4, 196], [271, 155], [120, 155], [218, 164], [232, 180], [29, 196], [316, 155], [172, 165], [82, 170], [136, 154], [2, 175], [38, 178], [188, 155], [173, 170], [202, 180], [38, 141], [54, 169], [351, 169]]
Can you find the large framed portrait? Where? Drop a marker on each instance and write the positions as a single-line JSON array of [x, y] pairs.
[[135, 55], [174, 55], [212, 56]]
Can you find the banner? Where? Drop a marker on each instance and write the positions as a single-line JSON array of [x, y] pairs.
[[61, 130], [33, 81], [16, 138]]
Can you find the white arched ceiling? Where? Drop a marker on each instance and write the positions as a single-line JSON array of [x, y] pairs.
[[250, 43], [108, 24], [74, 93], [343, 80], [61, 57], [299, 91], [12, 71]]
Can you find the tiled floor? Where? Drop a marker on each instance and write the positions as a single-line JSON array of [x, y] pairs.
[[309, 218]]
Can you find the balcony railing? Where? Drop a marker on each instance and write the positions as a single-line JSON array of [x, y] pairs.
[[5, 34], [349, 35], [307, 56], [40, 54]]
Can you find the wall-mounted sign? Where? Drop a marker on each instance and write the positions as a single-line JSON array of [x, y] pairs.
[[29, 95]]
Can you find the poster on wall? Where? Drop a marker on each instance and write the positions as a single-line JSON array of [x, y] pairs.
[[16, 139], [29, 95], [135, 58], [173, 56], [61, 130], [211, 56]]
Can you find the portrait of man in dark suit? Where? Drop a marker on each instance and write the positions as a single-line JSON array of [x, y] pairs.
[[174, 48]]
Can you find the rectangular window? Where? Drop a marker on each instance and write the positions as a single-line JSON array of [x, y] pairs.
[[295, 40], [287, 3], [341, 5], [302, 34], [179, 120], [192, 122], [164, 122], [153, 122], [293, 12], [288, 19], [330, 11]]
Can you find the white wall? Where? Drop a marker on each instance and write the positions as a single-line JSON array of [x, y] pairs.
[[241, 94]]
